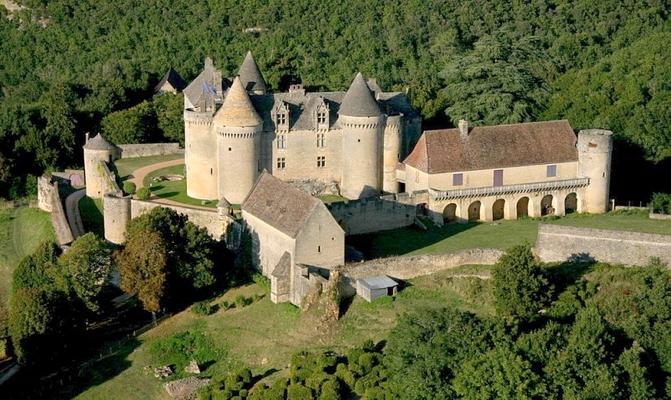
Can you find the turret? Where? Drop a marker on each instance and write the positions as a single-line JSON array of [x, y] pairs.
[[238, 128], [595, 147], [362, 127], [116, 215], [97, 150], [250, 75], [200, 100]]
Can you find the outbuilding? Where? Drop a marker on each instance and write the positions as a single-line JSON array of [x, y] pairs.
[[376, 286]]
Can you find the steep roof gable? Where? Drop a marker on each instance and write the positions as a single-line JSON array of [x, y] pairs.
[[496, 146], [359, 100], [250, 75], [173, 78], [206, 86], [279, 204], [237, 109]]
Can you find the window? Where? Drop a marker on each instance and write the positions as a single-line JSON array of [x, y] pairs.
[[320, 140], [211, 171], [321, 162], [321, 117], [552, 170], [281, 163], [457, 179], [281, 118], [319, 249], [281, 141]]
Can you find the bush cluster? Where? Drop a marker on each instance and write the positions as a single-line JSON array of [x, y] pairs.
[[661, 203]]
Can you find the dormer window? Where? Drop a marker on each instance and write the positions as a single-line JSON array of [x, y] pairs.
[[282, 116], [322, 115]]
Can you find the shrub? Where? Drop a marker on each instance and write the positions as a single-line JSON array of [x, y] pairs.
[[143, 193], [129, 187], [180, 349], [241, 301], [204, 308], [331, 390], [225, 305], [298, 392], [261, 281], [661, 203]]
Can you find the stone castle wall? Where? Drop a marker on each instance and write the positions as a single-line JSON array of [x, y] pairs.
[[559, 243], [149, 149], [209, 220], [48, 199], [372, 214]]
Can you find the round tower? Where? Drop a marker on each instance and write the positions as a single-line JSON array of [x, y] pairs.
[[595, 147], [97, 150], [362, 125], [391, 152], [200, 155], [238, 128], [116, 214]]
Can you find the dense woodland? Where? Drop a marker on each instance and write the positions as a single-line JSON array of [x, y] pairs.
[[67, 66]]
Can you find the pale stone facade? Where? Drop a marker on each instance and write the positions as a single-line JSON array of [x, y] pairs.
[[233, 131]]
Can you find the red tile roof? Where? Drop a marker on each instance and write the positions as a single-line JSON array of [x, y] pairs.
[[496, 146]]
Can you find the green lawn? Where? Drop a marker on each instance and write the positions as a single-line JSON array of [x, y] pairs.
[[91, 211], [263, 335], [499, 234], [174, 190], [332, 198], [125, 166], [21, 230]]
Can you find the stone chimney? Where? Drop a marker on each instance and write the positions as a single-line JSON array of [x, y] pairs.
[[86, 139], [463, 128], [297, 88]]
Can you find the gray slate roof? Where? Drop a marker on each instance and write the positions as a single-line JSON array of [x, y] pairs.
[[208, 85], [359, 100], [250, 75], [98, 142], [279, 204], [378, 282], [173, 78]]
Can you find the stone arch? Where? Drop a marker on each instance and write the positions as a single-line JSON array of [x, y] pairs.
[[571, 203], [523, 207], [474, 211], [450, 213], [546, 205], [498, 209]]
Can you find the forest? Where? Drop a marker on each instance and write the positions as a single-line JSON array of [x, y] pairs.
[[69, 67]]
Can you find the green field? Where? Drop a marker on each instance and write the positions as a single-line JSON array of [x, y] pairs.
[[173, 190], [125, 166], [91, 211], [263, 335], [498, 235], [21, 230]]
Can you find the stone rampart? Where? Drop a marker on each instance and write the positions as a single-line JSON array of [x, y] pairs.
[[660, 216], [407, 267], [49, 200], [210, 220], [372, 214], [557, 243], [149, 149]]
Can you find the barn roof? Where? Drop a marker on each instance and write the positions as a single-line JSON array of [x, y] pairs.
[[495, 146], [378, 282], [279, 204]]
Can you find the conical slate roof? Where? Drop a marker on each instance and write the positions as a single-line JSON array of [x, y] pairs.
[[359, 101], [98, 142], [250, 75], [237, 109]]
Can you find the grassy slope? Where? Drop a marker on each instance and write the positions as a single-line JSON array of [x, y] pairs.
[[21, 230], [264, 335], [173, 190], [500, 234], [91, 211], [125, 166]]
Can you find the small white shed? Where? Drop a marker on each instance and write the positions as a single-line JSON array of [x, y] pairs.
[[376, 286]]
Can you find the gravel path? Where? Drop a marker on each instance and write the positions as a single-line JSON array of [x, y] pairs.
[[72, 213]]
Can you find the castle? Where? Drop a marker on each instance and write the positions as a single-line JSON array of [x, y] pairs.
[[234, 129]]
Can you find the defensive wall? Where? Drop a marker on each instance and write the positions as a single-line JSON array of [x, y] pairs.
[[407, 267], [149, 149], [119, 210], [375, 214], [556, 243], [49, 200]]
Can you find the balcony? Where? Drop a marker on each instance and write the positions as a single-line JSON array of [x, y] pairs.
[[509, 189]]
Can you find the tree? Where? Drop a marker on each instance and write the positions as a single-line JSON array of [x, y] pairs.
[[500, 81], [143, 268], [133, 125], [86, 266], [38, 270], [169, 110], [498, 374], [520, 289]]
